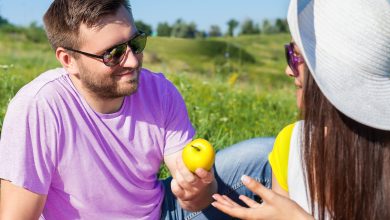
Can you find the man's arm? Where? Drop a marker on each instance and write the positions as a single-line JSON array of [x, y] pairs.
[[194, 191], [17, 203]]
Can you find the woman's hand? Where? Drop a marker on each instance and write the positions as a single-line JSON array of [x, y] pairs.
[[274, 206]]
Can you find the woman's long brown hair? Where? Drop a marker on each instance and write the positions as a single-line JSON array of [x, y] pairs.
[[347, 163]]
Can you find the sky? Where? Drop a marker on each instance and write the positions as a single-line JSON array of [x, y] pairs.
[[203, 13]]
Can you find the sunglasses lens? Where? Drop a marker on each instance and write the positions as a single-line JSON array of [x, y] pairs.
[[290, 58], [138, 43], [115, 55], [287, 54]]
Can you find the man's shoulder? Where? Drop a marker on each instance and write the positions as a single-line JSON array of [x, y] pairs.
[[149, 75], [41, 87], [155, 81]]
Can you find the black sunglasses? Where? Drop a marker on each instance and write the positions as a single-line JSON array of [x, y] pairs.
[[115, 54]]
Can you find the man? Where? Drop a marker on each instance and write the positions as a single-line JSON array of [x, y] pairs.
[[91, 136]]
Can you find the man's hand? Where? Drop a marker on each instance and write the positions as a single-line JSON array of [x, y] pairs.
[[193, 190]]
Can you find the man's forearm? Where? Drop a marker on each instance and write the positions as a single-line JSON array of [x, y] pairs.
[[202, 200]]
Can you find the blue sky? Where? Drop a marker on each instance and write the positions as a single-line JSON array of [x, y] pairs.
[[203, 13]]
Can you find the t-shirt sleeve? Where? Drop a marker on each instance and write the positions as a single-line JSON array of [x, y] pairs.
[[278, 158], [28, 140], [178, 128]]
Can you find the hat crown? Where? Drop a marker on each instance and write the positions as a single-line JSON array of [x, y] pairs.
[[356, 32], [346, 46]]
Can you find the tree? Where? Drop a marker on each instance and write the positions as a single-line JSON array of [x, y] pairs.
[[248, 27], [144, 27], [35, 33], [164, 29], [200, 34], [3, 21], [215, 31], [232, 25], [281, 25], [267, 27], [183, 30]]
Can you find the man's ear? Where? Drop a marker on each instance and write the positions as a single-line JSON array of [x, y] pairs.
[[67, 61]]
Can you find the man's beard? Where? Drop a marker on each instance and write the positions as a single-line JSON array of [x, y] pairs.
[[107, 87]]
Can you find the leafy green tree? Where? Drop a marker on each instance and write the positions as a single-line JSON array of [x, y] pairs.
[[35, 33], [249, 27], [164, 29], [200, 34], [232, 25], [215, 31], [183, 30], [3, 21], [267, 26], [144, 27], [281, 25]]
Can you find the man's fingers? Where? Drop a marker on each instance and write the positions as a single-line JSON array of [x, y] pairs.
[[176, 189], [204, 175], [182, 182], [185, 173], [258, 188], [249, 202]]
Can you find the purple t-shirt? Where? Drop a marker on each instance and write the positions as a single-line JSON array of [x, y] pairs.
[[92, 165]]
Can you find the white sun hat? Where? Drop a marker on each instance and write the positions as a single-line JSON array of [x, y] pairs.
[[346, 45]]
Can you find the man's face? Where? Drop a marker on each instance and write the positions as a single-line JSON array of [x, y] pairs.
[[99, 79]]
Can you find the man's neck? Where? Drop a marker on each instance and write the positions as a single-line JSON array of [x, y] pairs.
[[98, 104]]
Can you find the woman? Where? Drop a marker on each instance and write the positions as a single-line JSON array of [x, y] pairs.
[[339, 158]]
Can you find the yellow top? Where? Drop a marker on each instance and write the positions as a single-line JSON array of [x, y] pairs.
[[278, 158]]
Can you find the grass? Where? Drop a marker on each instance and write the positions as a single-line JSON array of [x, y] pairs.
[[234, 88]]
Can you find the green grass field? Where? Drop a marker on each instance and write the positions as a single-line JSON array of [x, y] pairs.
[[234, 88]]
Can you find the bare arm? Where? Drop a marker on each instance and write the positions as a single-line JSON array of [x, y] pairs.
[[194, 191], [17, 203], [277, 188]]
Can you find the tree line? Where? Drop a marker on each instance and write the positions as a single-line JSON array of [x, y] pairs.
[[182, 29], [179, 28]]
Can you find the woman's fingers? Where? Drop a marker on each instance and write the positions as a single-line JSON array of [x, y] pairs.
[[249, 202], [230, 201], [235, 211], [266, 194], [222, 200]]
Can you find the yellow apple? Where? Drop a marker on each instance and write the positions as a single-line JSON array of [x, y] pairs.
[[199, 153]]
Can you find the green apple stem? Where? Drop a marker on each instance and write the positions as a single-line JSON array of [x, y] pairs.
[[197, 148]]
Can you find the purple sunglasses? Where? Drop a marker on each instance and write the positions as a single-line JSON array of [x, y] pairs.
[[292, 59]]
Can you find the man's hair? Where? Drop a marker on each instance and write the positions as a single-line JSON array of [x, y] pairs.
[[64, 17], [347, 163]]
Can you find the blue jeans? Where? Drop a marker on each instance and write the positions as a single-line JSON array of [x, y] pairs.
[[249, 157]]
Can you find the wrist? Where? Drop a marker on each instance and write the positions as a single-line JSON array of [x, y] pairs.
[[302, 214]]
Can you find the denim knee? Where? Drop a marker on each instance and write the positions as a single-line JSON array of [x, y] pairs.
[[251, 149], [248, 157]]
